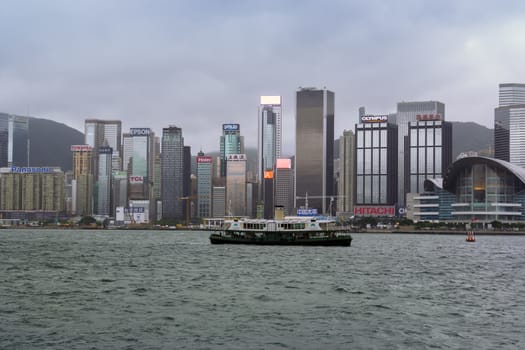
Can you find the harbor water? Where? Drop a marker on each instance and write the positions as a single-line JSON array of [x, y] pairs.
[[74, 289]]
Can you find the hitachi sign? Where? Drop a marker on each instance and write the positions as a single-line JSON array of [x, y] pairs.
[[375, 210]]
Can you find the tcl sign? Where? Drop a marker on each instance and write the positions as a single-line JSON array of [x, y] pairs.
[[375, 210], [136, 179]]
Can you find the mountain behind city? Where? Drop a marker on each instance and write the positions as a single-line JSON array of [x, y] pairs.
[[50, 142]]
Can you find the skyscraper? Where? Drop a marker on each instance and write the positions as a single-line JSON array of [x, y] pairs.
[[284, 189], [99, 133], [231, 143], [172, 167], [509, 124], [269, 146], [346, 183], [82, 183], [236, 185], [429, 153], [14, 140], [140, 170], [204, 185], [407, 112], [105, 155], [314, 147], [376, 161]]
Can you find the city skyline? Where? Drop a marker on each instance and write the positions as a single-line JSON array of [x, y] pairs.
[[190, 65]]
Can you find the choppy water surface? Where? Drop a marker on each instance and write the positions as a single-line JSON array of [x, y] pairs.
[[173, 290]]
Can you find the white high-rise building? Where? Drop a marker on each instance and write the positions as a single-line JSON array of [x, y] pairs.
[[509, 124], [511, 94]]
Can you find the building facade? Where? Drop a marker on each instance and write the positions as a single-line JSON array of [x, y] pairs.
[[509, 124], [105, 173], [98, 133], [140, 166], [284, 185], [218, 201], [204, 186], [346, 183], [314, 147], [429, 152], [231, 143], [407, 112], [269, 147], [34, 193], [376, 161], [477, 189], [14, 140], [172, 165], [82, 183], [236, 185]]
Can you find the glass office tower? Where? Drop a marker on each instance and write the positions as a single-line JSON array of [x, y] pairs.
[[430, 151], [14, 140], [204, 185], [172, 164], [407, 112], [105, 154], [269, 148], [314, 148], [140, 167], [376, 161], [231, 143]]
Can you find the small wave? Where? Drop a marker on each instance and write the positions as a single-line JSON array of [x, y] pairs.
[[54, 266], [262, 297], [106, 280]]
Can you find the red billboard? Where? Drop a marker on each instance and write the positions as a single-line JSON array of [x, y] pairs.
[[204, 159], [136, 179], [375, 210], [425, 117], [81, 148]]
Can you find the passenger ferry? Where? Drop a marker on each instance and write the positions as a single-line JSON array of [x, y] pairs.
[[288, 231]]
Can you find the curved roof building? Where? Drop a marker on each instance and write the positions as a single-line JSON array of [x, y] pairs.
[[476, 188]]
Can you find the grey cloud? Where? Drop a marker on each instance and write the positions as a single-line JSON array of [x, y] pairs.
[[200, 64]]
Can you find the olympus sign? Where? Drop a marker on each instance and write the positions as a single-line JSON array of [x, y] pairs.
[[374, 118]]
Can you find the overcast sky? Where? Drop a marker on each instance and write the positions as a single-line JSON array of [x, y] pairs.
[[198, 64]]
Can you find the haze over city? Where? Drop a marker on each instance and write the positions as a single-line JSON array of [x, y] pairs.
[[203, 63]]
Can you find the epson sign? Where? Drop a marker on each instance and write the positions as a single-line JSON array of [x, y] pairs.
[[230, 127], [374, 118], [139, 131]]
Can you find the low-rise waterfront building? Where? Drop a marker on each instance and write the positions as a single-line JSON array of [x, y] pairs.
[[477, 189]]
